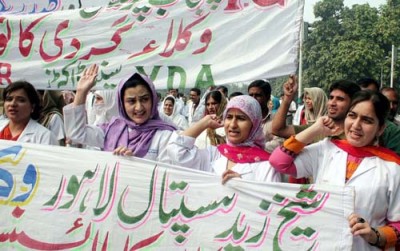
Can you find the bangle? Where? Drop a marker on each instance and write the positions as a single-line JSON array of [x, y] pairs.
[[378, 238], [288, 152]]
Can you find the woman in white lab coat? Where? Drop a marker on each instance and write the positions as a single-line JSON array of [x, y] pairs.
[[169, 108], [137, 131], [358, 161], [242, 156], [22, 109]]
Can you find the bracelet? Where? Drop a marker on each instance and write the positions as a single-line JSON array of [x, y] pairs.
[[288, 152], [378, 238]]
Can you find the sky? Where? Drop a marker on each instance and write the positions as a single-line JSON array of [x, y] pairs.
[[309, 5]]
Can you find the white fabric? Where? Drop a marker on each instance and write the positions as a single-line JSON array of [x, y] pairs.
[[196, 114], [108, 109], [182, 151], [77, 199], [91, 115], [179, 105], [199, 113], [193, 53], [178, 119], [185, 110], [203, 141], [297, 115], [56, 125], [33, 133], [78, 131], [376, 183]]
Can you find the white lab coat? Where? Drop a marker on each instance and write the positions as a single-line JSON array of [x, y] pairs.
[[182, 151], [376, 183], [203, 141], [78, 131], [33, 133], [56, 125], [196, 115]]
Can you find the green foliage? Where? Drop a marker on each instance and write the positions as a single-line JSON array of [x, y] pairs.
[[351, 43]]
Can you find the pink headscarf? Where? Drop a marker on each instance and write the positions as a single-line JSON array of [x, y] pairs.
[[249, 106], [252, 149]]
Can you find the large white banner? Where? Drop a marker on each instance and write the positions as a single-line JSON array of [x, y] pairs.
[[55, 198], [178, 44]]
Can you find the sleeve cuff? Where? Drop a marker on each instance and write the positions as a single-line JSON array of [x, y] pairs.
[[292, 144], [390, 236]]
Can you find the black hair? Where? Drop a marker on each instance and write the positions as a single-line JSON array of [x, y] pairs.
[[30, 92], [365, 82], [346, 86], [196, 90], [263, 85], [234, 94], [216, 95], [134, 81], [379, 101], [224, 89], [170, 98]]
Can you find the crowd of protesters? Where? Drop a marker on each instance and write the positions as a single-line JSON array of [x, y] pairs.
[[349, 136]]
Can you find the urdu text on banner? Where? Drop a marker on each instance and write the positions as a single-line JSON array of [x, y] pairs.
[[179, 44], [58, 198]]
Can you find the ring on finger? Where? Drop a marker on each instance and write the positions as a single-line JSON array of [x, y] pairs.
[[360, 220]]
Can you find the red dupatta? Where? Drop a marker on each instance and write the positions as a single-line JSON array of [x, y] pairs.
[[243, 154], [367, 151]]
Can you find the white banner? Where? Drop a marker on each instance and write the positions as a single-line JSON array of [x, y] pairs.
[[179, 44], [56, 198]]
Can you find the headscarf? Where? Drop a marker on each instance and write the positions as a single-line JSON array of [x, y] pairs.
[[251, 150], [275, 104], [319, 100], [106, 111], [139, 137], [367, 151], [216, 139], [53, 103], [169, 97]]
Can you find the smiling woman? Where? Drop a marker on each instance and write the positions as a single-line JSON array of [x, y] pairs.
[[358, 161], [137, 131], [22, 109], [169, 108], [242, 156]]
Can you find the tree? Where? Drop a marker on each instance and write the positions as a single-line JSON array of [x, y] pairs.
[[349, 43]]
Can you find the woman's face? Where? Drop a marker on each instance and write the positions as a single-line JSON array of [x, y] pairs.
[[138, 104], [168, 107], [18, 107], [98, 100], [361, 125], [237, 126], [308, 102], [270, 105], [212, 105]]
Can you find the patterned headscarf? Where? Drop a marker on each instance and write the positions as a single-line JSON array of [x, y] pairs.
[[139, 137], [252, 149], [249, 106]]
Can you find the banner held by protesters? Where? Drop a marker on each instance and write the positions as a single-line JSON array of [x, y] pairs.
[[55, 198], [179, 44]]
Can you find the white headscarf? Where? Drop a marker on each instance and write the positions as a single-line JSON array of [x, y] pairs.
[[104, 112]]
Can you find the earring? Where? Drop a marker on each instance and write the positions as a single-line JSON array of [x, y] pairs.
[[376, 141]]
